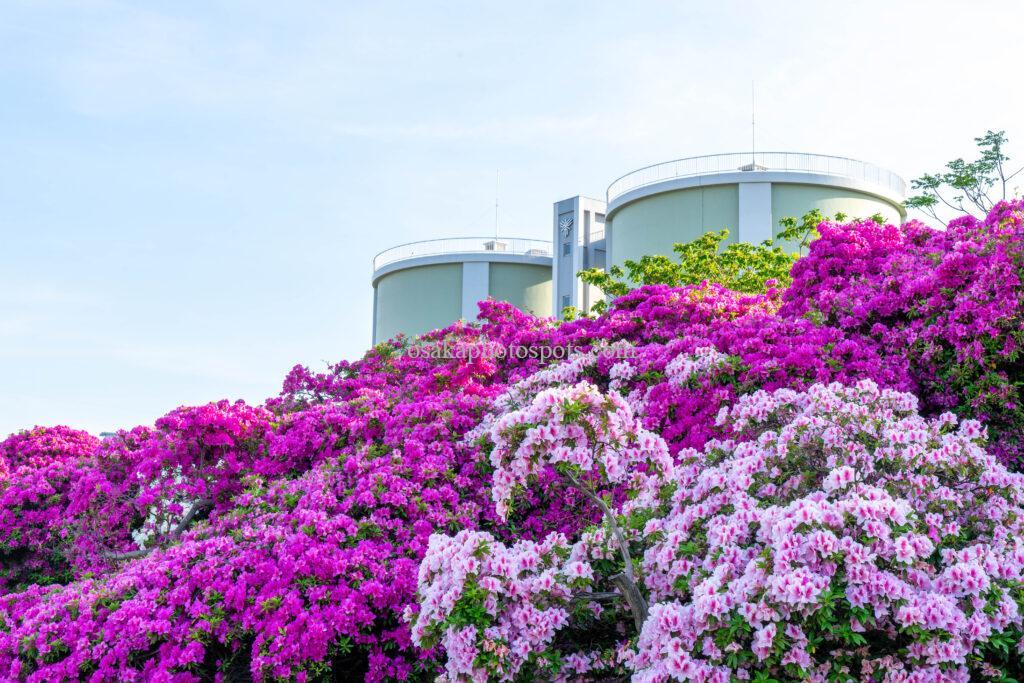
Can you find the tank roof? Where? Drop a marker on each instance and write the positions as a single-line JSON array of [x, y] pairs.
[[884, 182], [498, 248]]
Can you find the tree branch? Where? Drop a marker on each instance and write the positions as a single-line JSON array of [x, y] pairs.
[[956, 207], [179, 529], [197, 507], [129, 554], [626, 581], [597, 596]]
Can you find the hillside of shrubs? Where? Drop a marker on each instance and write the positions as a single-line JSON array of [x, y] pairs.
[[818, 482]]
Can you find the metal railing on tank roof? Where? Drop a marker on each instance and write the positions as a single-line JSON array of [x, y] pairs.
[[514, 246], [793, 162]]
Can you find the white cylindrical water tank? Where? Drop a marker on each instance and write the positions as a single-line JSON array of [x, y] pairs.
[[422, 286], [651, 209]]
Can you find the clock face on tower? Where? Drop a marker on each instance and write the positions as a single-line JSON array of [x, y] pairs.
[[565, 225]]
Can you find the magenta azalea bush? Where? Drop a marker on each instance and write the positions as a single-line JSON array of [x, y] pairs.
[[948, 301], [699, 482]]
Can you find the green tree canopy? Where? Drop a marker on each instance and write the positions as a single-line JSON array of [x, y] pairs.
[[740, 266], [972, 187]]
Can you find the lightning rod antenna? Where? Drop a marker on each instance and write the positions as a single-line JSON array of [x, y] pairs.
[[753, 126], [495, 203]]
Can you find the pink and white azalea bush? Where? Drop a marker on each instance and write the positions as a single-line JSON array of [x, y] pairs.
[[593, 439], [838, 535], [498, 609], [844, 535], [705, 361]]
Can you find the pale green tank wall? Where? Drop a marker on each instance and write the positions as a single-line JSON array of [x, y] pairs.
[[417, 300], [526, 287], [651, 225], [796, 200]]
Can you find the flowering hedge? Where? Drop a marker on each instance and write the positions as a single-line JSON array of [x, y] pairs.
[[948, 301], [838, 536], [285, 541], [842, 536]]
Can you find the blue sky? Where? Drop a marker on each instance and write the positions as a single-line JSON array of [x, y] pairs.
[[191, 192]]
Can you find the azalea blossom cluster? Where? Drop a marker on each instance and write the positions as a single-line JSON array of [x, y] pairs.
[[73, 505], [949, 301], [301, 558], [592, 439], [38, 470], [41, 446], [497, 610]]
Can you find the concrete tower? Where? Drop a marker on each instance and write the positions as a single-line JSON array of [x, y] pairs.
[[579, 238]]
